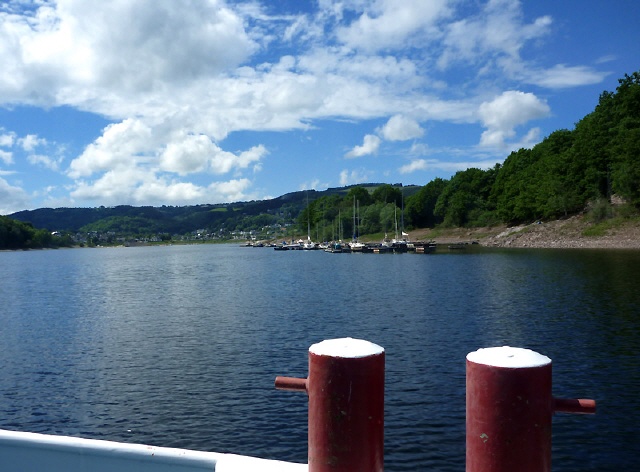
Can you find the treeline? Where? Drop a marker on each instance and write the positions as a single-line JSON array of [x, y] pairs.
[[221, 219], [19, 235], [558, 177], [561, 176], [363, 210]]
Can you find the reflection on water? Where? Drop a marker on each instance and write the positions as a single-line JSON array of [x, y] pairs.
[[179, 346]]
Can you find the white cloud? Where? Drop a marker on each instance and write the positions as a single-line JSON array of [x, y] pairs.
[[130, 46], [401, 128], [354, 177], [390, 24], [6, 157], [177, 78], [562, 76], [448, 166], [140, 187], [497, 31], [419, 149], [504, 113], [313, 184], [370, 145], [189, 155], [533, 137], [12, 198], [31, 141], [44, 160], [7, 139], [122, 144], [415, 165], [129, 164]]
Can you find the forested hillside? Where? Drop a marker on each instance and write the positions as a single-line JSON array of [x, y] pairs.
[[18, 235], [285, 215], [567, 172], [560, 176]]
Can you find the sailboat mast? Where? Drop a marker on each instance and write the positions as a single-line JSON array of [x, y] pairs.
[[354, 218], [308, 219], [402, 206], [395, 219]]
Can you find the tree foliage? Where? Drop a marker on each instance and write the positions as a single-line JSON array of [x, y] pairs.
[[19, 235], [420, 207], [387, 194]]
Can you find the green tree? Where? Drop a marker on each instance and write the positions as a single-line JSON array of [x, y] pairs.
[[420, 207], [388, 217], [360, 194], [625, 147], [371, 218], [387, 194], [514, 187], [465, 199]]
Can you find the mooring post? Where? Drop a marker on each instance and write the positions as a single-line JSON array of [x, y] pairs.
[[509, 410], [346, 405]]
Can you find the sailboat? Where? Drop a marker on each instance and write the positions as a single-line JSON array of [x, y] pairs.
[[337, 246], [355, 245], [400, 244], [308, 244]]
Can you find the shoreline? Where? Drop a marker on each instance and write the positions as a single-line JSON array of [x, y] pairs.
[[558, 234]]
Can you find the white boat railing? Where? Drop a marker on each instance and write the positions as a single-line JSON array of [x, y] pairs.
[[33, 452]]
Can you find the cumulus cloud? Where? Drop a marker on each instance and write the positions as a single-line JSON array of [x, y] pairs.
[[128, 160], [7, 139], [121, 144], [507, 111], [497, 30], [12, 198], [191, 154], [370, 145], [44, 160], [356, 176], [30, 142], [6, 157], [198, 154], [401, 128], [390, 24], [176, 79], [130, 46], [144, 187], [415, 165]]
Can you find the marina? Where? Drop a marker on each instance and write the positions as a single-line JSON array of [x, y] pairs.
[[340, 247]]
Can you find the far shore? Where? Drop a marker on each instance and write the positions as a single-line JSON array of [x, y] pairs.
[[575, 232]]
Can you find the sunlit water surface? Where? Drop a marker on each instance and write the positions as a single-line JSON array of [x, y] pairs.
[[179, 346]]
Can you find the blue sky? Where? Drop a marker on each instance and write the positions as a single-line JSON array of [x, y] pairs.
[[163, 102]]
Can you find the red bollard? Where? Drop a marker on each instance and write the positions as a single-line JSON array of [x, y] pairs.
[[509, 410], [346, 405]]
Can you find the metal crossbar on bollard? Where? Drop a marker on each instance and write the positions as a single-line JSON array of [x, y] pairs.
[[346, 405], [509, 410]]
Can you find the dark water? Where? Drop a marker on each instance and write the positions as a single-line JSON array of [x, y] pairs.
[[179, 346]]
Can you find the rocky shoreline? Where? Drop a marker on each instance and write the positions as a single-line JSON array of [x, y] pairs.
[[561, 234]]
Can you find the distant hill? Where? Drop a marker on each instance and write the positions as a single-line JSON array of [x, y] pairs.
[[570, 172], [132, 220]]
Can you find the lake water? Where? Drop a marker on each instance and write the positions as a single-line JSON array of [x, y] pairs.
[[179, 346]]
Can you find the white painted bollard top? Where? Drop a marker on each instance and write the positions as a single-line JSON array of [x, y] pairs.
[[509, 357], [348, 348]]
